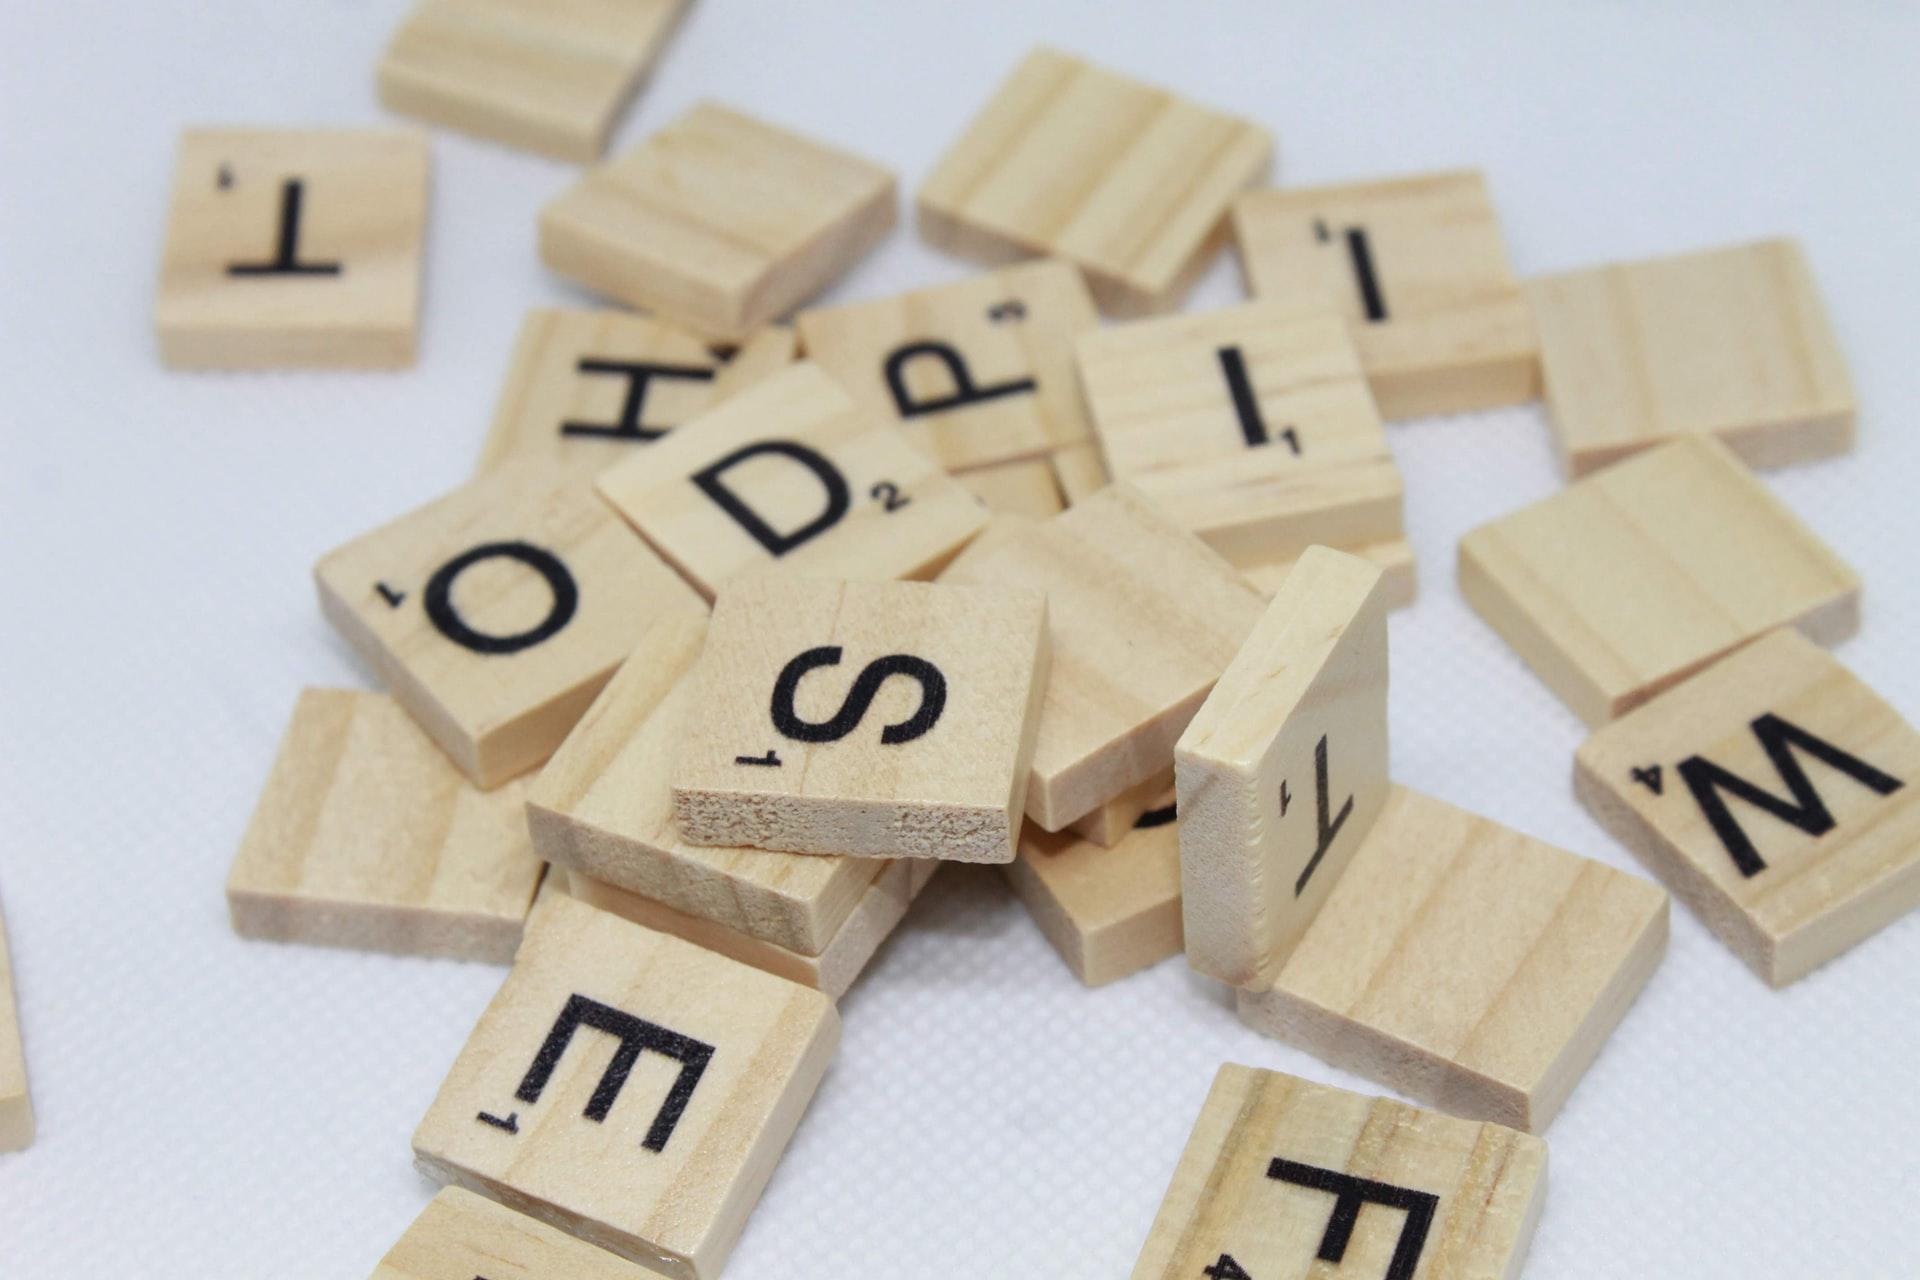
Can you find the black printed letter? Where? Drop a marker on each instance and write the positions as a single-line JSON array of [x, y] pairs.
[[447, 620], [964, 391], [638, 374], [1349, 1194], [708, 478], [866, 686], [1327, 830], [286, 253], [1803, 809]]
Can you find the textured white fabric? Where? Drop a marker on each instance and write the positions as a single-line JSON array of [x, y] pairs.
[[210, 1107]]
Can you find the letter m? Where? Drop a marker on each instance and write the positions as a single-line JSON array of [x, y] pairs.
[[1803, 808]]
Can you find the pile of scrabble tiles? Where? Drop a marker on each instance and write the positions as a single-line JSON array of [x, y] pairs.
[[754, 614]]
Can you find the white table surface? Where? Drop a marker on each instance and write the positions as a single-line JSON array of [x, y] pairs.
[[210, 1107]]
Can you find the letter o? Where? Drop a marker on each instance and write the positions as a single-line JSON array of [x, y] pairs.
[[448, 622]]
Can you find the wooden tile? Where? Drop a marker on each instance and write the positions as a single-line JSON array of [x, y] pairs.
[[366, 836], [879, 719], [1080, 471], [1399, 582], [719, 221], [1631, 580], [881, 909], [1025, 488], [603, 807], [497, 612], [550, 78], [1129, 181], [293, 248], [1108, 824], [1770, 794], [1284, 769], [1144, 618], [976, 372], [462, 1236], [1260, 380], [1262, 508], [656, 1150], [1419, 268], [1465, 965], [1109, 912], [589, 386], [1285, 1178], [790, 472], [1733, 342], [16, 1105]]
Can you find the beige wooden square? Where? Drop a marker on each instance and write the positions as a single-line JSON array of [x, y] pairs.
[[589, 386], [1109, 912], [366, 836], [1080, 470], [1770, 793], [1026, 488], [1144, 618], [1465, 965], [1419, 268], [462, 1236], [1284, 769], [1262, 507], [1109, 823], [1262, 379], [719, 221], [1734, 342], [1284, 1179], [791, 473], [16, 1105], [1400, 579], [553, 78], [1129, 181], [630, 1088], [879, 719], [497, 612], [881, 908], [1633, 579], [603, 807], [293, 248], [976, 372]]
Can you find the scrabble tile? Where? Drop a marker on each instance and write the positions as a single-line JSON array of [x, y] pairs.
[[630, 1088], [1080, 471], [790, 472], [462, 1236], [976, 372], [1285, 1178], [1144, 618], [881, 909], [1465, 965], [1256, 381], [603, 807], [1770, 794], [1399, 582], [719, 221], [1418, 266], [1284, 769], [1025, 488], [550, 78], [1106, 825], [366, 836], [879, 719], [497, 612], [588, 386], [1129, 181], [1733, 342], [1262, 508], [1109, 912], [16, 1106], [293, 248], [1631, 580]]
